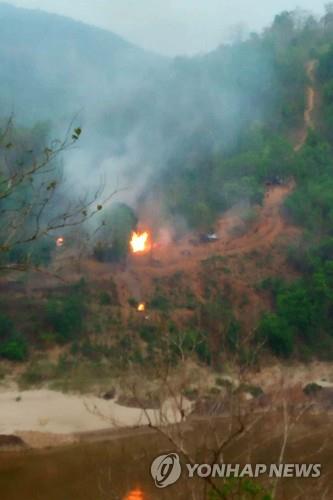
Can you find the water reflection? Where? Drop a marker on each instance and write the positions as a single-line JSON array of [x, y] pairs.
[[119, 468], [136, 494]]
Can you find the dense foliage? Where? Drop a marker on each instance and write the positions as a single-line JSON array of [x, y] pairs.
[[13, 345], [117, 224]]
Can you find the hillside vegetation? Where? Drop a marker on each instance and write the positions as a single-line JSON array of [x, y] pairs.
[[210, 133]]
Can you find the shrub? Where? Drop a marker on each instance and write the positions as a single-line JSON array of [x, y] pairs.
[[6, 326], [66, 316], [38, 252], [36, 374], [104, 299], [191, 393], [312, 389], [133, 302], [149, 333], [254, 390], [47, 337], [160, 302], [3, 372], [278, 333], [42, 252], [215, 391], [272, 284], [15, 348], [223, 382], [13, 345], [119, 221], [203, 352]]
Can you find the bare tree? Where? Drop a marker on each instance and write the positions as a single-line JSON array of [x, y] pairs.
[[161, 391], [210, 427], [32, 200]]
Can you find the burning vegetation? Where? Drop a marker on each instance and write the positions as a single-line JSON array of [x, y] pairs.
[[140, 242]]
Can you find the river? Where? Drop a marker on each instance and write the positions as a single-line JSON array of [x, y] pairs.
[[118, 469]]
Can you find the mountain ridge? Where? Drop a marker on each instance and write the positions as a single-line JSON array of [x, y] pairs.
[[46, 59]]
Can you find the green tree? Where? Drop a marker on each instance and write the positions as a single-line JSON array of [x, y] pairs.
[[278, 334], [13, 345], [66, 316], [118, 222]]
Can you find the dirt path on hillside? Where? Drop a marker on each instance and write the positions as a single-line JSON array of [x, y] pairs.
[[310, 104], [186, 257], [235, 237], [270, 225], [185, 254]]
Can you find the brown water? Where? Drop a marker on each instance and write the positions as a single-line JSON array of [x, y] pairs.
[[119, 469]]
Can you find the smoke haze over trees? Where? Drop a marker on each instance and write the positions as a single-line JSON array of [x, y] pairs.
[[189, 136], [146, 116]]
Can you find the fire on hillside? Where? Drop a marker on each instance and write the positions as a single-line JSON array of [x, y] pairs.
[[140, 242], [141, 307]]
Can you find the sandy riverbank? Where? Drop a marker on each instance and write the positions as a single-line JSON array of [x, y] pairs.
[[50, 418], [43, 418]]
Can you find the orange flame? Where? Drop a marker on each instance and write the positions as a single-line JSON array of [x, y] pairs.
[[140, 242], [135, 495], [142, 307]]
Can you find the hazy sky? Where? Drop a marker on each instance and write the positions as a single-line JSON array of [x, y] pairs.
[[173, 26]]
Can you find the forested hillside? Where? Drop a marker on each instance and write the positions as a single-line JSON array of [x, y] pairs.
[[51, 67], [192, 138]]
